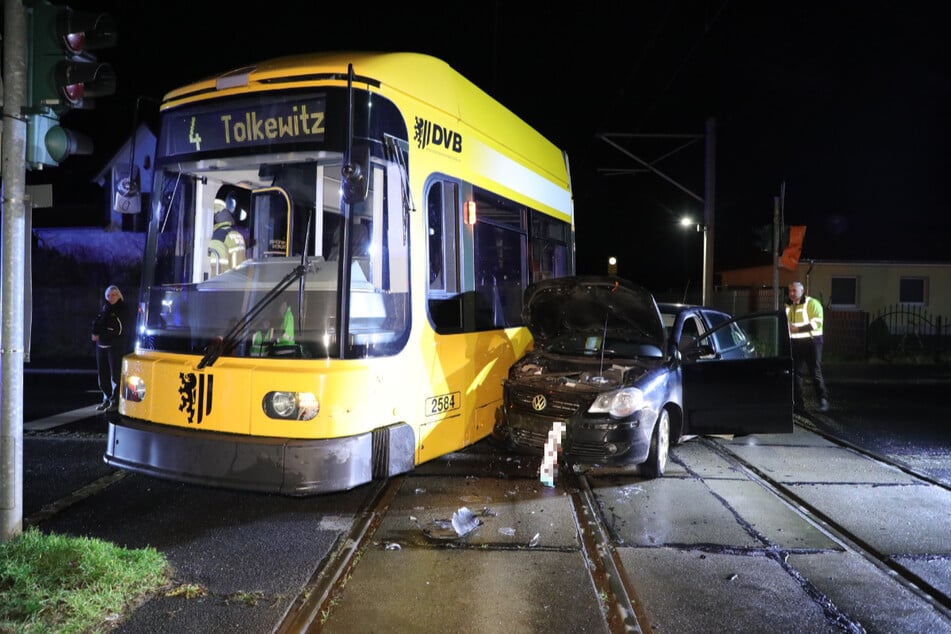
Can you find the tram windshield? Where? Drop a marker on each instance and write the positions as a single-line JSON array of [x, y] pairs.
[[247, 256]]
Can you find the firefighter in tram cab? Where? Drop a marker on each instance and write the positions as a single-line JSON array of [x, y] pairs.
[[227, 247]]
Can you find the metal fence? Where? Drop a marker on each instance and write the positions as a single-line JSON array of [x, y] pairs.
[[903, 332], [893, 334]]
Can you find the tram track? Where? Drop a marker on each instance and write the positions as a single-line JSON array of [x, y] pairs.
[[318, 595], [809, 423], [913, 582], [621, 611], [614, 585]]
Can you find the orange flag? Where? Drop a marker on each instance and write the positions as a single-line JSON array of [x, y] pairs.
[[790, 256]]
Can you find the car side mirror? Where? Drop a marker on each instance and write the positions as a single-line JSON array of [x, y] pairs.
[[695, 352], [686, 342]]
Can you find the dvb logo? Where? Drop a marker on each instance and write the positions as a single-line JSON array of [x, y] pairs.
[[429, 133]]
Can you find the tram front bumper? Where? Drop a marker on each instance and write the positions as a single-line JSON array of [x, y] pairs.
[[295, 467]]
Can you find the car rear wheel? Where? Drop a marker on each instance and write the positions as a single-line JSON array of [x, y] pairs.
[[660, 448]]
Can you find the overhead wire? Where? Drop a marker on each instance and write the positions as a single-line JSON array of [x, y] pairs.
[[636, 68]]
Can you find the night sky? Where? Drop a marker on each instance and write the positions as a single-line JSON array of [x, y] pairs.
[[847, 103]]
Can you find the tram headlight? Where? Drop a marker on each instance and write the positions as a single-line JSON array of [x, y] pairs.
[[291, 405], [134, 389], [282, 404]]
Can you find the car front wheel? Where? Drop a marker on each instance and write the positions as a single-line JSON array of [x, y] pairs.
[[660, 448]]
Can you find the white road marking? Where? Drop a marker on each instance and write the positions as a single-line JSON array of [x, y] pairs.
[[63, 418]]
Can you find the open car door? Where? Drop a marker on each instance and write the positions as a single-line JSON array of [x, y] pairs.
[[750, 395]]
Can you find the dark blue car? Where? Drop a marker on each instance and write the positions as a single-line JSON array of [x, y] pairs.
[[627, 377]]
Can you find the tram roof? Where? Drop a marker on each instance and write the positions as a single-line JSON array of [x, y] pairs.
[[415, 75]]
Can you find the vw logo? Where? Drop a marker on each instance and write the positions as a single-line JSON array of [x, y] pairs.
[[539, 402]]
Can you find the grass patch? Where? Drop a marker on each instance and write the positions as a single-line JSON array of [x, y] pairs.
[[55, 583]]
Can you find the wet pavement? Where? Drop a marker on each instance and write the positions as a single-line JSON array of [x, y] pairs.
[[704, 549]]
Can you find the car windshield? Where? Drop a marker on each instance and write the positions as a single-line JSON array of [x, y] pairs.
[[583, 312], [615, 347]]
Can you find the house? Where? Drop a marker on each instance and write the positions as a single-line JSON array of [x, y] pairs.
[[129, 196], [866, 302]]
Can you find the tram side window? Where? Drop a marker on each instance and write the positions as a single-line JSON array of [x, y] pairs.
[[499, 284], [478, 273], [436, 240], [501, 266], [549, 247], [446, 303], [443, 218]]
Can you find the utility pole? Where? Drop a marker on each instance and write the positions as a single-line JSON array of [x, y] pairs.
[[12, 268], [710, 154], [777, 229]]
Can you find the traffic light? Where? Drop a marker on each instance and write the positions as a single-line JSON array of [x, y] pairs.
[[64, 76], [763, 238]]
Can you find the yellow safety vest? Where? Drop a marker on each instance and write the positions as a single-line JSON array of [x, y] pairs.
[[807, 312], [258, 344], [287, 336], [226, 253]]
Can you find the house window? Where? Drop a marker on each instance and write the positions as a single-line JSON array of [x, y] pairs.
[[844, 292], [913, 290]]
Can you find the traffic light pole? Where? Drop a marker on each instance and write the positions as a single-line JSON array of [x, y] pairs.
[[709, 189], [12, 268], [777, 224]]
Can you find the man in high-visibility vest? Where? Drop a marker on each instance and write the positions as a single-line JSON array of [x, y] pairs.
[[804, 315]]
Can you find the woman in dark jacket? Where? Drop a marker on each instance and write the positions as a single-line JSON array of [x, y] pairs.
[[111, 332]]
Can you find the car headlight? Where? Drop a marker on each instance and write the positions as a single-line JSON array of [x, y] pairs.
[[619, 403]]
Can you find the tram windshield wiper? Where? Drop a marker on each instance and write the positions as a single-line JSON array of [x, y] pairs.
[[224, 344]]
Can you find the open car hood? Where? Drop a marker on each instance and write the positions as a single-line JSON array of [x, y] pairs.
[[592, 306]]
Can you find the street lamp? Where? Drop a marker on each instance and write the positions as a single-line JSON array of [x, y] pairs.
[[686, 222], [612, 265]]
